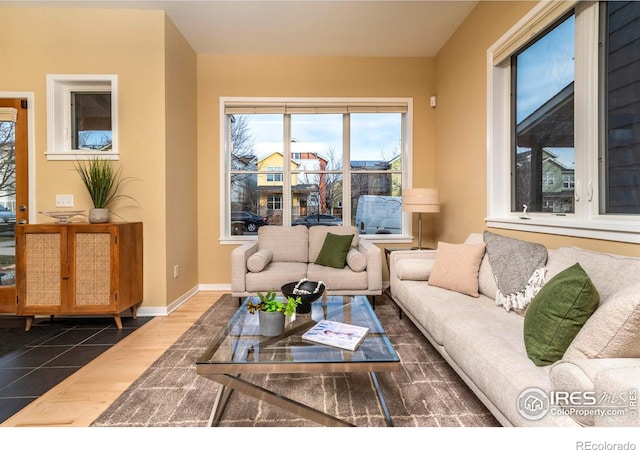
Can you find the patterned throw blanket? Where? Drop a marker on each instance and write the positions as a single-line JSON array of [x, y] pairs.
[[519, 269]]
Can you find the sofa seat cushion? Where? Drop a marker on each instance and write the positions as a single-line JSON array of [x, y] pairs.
[[488, 347], [275, 275], [287, 244], [338, 279], [433, 307]]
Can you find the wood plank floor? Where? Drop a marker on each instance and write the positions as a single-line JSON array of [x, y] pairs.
[[82, 397]]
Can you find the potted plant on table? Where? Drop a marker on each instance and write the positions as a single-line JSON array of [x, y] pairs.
[[272, 312], [103, 182]]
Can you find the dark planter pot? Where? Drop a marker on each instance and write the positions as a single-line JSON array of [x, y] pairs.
[[307, 299], [271, 323]]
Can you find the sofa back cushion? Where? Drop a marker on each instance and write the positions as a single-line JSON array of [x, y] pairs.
[[613, 331], [318, 233], [486, 280], [609, 273], [287, 244]]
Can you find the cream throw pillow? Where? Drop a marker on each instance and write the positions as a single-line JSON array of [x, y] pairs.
[[259, 260], [414, 269], [356, 260], [613, 330], [456, 267]]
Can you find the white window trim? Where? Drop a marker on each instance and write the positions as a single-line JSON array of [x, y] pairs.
[[59, 88], [226, 238], [585, 222]]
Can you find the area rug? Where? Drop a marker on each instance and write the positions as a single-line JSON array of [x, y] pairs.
[[424, 392]]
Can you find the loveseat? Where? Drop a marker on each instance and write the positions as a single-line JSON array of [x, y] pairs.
[[594, 383], [284, 254]]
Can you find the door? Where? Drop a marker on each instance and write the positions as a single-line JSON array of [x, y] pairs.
[[13, 192]]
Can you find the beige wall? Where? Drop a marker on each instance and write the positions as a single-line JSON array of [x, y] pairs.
[[222, 76], [461, 118], [40, 41], [181, 163]]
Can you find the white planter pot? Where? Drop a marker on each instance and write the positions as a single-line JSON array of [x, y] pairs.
[[99, 215]]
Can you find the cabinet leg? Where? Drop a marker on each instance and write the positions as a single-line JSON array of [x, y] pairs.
[[134, 312], [116, 317], [28, 323]]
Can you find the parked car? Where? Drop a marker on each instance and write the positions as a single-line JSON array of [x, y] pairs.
[[7, 220], [317, 219], [251, 221]]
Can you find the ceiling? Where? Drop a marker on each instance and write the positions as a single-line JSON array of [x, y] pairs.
[[372, 28]]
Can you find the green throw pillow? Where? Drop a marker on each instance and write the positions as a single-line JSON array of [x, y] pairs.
[[557, 313], [334, 250]]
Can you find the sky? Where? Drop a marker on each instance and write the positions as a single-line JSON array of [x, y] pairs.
[[543, 70], [373, 136]]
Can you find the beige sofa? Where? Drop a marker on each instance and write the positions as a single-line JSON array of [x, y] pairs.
[[484, 342], [282, 255]]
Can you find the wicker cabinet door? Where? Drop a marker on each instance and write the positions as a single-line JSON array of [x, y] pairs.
[[93, 271], [40, 279]]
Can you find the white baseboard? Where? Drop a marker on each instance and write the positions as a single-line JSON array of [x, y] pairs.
[[215, 287], [145, 311]]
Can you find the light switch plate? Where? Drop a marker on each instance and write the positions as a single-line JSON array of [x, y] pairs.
[[64, 201]]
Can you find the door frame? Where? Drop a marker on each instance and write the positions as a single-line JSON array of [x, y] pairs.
[[31, 137], [8, 299]]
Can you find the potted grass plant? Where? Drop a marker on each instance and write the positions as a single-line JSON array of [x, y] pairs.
[[272, 312], [103, 182]]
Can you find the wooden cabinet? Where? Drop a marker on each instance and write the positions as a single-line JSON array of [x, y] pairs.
[[78, 269]]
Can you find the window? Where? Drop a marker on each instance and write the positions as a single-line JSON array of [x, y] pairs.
[[314, 161], [274, 176], [564, 122], [82, 116]]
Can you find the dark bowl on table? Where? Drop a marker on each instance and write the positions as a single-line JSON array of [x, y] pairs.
[[307, 299]]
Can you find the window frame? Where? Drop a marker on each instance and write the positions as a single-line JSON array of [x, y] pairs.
[[59, 115], [406, 152], [586, 221]]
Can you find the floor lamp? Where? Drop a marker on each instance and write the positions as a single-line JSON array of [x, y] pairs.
[[420, 200]]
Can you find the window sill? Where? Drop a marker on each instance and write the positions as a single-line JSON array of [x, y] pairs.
[[79, 155], [239, 240], [605, 229]]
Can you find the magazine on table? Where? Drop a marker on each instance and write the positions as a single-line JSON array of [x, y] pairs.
[[336, 334]]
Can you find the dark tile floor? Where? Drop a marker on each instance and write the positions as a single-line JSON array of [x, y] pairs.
[[30, 371]]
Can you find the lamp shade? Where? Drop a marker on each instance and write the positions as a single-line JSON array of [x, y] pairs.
[[421, 200]]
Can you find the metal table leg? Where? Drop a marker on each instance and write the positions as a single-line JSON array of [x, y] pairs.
[[383, 404]]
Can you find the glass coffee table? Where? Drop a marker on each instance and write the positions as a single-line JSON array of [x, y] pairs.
[[239, 350]]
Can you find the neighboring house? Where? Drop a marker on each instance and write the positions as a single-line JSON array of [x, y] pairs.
[[309, 190], [543, 182], [558, 181], [243, 186]]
